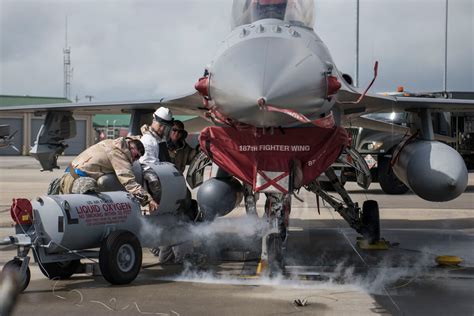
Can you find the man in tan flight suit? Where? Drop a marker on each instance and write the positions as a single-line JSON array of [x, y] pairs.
[[108, 156]]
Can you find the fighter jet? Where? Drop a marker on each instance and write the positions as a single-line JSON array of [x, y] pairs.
[[6, 139], [277, 103]]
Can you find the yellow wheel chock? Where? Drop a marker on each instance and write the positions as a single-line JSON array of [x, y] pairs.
[[448, 261], [380, 244]]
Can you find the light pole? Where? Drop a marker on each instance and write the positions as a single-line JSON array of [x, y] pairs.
[[445, 79], [356, 82]]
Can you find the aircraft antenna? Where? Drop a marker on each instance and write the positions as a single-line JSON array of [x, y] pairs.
[[67, 67]]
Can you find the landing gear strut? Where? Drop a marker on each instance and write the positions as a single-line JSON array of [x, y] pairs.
[[277, 212], [250, 200], [366, 221]]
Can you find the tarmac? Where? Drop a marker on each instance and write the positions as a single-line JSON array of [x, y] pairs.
[[325, 269]]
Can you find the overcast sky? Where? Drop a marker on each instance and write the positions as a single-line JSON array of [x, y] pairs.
[[144, 49]]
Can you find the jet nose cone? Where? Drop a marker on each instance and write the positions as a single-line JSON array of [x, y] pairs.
[[281, 71]]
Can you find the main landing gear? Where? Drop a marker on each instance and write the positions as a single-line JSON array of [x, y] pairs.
[[365, 221], [277, 211]]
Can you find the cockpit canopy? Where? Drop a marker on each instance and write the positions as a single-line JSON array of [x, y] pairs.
[[298, 12]]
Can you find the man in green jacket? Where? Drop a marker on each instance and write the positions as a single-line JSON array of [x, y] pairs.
[[180, 152]]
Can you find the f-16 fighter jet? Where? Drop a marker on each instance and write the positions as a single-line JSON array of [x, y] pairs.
[[278, 103]]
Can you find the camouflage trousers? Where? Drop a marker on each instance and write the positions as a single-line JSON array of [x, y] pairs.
[[173, 254], [81, 185]]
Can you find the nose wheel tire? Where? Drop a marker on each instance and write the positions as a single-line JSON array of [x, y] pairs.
[[14, 266], [370, 221], [120, 257], [59, 270]]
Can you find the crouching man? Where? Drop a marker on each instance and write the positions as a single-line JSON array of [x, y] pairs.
[[106, 157]]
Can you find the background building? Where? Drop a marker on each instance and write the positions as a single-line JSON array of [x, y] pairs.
[[27, 125], [90, 128], [107, 126], [113, 126]]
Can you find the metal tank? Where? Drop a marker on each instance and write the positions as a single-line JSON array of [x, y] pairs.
[[173, 185], [434, 171], [81, 221]]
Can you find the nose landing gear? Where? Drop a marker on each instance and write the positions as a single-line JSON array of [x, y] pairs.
[[277, 211]]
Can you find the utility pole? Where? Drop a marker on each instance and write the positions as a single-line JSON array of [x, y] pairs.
[[67, 68], [445, 78]]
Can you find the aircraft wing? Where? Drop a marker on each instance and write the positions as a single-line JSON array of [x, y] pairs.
[[389, 128], [58, 124], [182, 105], [348, 95]]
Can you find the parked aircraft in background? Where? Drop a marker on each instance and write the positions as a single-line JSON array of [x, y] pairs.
[[6, 139]]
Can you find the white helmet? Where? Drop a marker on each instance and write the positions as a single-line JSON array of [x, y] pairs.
[[164, 116]]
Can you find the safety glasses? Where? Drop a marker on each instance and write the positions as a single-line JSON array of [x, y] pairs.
[[135, 153], [176, 130]]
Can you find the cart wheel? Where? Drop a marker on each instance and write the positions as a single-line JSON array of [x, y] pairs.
[[120, 257], [371, 221], [14, 266], [59, 270]]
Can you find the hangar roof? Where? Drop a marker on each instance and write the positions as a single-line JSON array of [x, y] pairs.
[[99, 120], [123, 120], [9, 100]]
